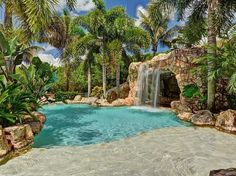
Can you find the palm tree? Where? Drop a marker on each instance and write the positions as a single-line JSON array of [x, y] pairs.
[[88, 45], [32, 15], [62, 33], [219, 14], [108, 25], [155, 22], [115, 53]]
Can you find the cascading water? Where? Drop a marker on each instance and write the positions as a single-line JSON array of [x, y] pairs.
[[142, 83], [157, 90], [148, 86]]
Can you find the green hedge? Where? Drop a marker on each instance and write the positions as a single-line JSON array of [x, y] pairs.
[[62, 96]]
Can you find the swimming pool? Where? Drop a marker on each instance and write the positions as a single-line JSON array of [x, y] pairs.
[[76, 125]]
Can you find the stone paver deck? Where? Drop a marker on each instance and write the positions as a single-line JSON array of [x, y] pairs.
[[163, 152]]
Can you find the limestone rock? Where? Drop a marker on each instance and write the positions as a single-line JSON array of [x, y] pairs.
[[18, 136], [180, 108], [41, 117], [114, 93], [102, 102], [223, 172], [4, 147], [226, 120], [118, 102], [89, 100], [129, 101], [35, 126], [72, 102], [29, 136], [186, 116], [203, 118], [78, 98]]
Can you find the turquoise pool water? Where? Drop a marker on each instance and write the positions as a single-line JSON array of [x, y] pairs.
[[72, 125]]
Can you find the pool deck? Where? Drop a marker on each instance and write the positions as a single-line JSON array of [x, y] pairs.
[[163, 152]]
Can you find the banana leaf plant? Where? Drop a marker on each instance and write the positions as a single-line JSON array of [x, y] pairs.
[[12, 54], [15, 103], [36, 79]]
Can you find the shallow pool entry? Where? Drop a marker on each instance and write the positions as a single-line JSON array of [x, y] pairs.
[[77, 125]]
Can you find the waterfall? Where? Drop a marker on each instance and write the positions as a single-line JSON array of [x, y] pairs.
[[148, 91], [142, 84], [157, 90]]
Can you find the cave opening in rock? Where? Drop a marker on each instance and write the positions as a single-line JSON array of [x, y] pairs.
[[169, 89]]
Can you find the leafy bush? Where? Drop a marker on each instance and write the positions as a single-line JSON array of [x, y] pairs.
[[62, 96], [97, 92], [15, 103], [36, 79], [191, 91]]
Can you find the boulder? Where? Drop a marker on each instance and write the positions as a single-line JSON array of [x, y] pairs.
[[78, 98], [36, 127], [41, 117], [118, 102], [19, 136], [102, 102], [203, 118], [72, 102], [223, 172], [179, 108], [29, 136], [38, 117], [89, 100], [186, 116], [4, 147], [226, 121], [129, 101], [113, 94], [51, 100]]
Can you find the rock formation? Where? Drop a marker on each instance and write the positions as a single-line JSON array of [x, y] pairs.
[[18, 139]]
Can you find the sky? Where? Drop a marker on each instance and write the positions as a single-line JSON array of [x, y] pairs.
[[51, 54]]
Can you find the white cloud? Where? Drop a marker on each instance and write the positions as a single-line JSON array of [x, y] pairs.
[[81, 5], [49, 59], [138, 19]]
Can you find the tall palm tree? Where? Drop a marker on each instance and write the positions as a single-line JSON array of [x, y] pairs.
[[219, 14], [108, 25], [155, 22], [32, 15], [88, 45], [62, 33], [115, 54]]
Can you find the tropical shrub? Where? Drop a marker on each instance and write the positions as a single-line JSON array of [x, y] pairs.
[[15, 103], [62, 96], [192, 91], [12, 54], [97, 92], [224, 64], [36, 79]]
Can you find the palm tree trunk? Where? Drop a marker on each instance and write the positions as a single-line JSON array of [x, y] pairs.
[[212, 7], [8, 16], [118, 79], [154, 48], [89, 79], [104, 78], [67, 73]]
